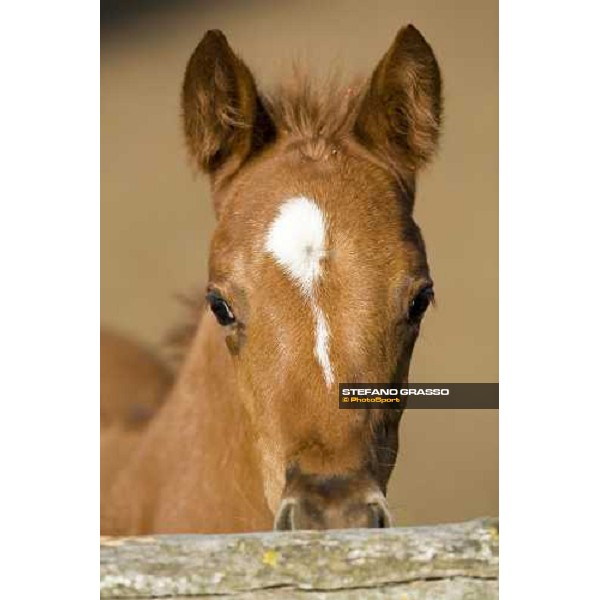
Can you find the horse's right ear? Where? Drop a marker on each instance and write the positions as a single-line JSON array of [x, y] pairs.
[[401, 111], [224, 120]]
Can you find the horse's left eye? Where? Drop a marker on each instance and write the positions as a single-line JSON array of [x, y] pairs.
[[419, 304], [220, 308]]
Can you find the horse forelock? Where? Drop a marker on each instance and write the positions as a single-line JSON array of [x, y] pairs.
[[312, 109]]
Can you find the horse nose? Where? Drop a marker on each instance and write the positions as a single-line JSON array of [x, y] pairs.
[[301, 514], [332, 504]]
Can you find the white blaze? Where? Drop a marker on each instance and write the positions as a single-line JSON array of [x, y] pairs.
[[296, 240], [322, 343]]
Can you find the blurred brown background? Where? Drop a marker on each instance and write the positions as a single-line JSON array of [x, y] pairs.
[[156, 217]]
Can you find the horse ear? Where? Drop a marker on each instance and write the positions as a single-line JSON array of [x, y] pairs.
[[224, 120], [402, 107]]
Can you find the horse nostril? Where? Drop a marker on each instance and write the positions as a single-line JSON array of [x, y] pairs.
[[380, 516], [284, 519]]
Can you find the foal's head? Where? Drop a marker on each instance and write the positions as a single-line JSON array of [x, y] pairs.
[[318, 273]]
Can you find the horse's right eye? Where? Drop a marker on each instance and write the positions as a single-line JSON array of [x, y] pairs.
[[220, 308]]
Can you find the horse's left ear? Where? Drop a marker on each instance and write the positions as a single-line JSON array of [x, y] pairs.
[[402, 107], [223, 117]]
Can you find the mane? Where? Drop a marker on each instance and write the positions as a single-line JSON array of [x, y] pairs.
[[311, 109]]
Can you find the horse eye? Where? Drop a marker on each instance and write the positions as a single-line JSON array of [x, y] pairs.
[[220, 308], [419, 304]]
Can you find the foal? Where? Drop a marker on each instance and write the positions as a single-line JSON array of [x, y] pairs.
[[318, 275]]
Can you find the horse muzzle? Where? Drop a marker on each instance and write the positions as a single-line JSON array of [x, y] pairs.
[[337, 502]]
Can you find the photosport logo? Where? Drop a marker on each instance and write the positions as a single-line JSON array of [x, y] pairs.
[[419, 395]]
